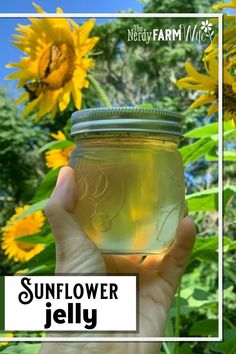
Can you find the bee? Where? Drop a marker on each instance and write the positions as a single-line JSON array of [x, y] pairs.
[[34, 88]]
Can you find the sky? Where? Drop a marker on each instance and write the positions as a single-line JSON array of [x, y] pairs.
[[7, 25], [71, 5]]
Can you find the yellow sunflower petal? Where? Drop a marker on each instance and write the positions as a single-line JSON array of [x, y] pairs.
[[56, 158], [22, 98], [85, 30], [212, 109], [47, 103], [54, 111], [192, 72], [227, 78], [191, 84], [31, 105], [59, 10], [213, 68], [77, 96], [88, 45], [58, 136], [204, 99], [228, 115], [38, 8], [64, 99], [230, 5]]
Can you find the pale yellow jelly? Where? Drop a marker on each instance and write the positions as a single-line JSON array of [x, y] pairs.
[[131, 192]]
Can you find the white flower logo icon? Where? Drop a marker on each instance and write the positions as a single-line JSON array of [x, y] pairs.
[[207, 28]]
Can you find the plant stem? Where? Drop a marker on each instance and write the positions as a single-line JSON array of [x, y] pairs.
[[231, 325], [165, 346], [101, 93], [177, 318]]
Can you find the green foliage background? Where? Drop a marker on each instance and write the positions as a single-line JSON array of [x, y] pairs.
[[138, 74]]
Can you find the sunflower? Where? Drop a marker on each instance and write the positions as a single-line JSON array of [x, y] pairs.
[[209, 83], [56, 158], [16, 227], [56, 64]]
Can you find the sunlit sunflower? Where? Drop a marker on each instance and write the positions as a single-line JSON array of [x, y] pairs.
[[56, 64], [209, 83], [56, 158], [18, 227]]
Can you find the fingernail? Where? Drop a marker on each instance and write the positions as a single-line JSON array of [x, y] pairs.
[[61, 180]]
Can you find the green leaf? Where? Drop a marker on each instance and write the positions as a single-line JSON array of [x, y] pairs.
[[34, 207], [229, 156], [228, 346], [200, 294], [47, 185], [229, 134], [207, 143], [186, 349], [206, 200], [43, 269], [46, 257], [205, 248], [229, 244], [205, 131], [204, 328], [186, 309], [194, 151], [229, 192], [145, 105], [22, 348], [210, 130], [35, 239], [61, 144]]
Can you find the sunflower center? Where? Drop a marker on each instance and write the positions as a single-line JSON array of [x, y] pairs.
[[25, 246], [56, 65], [229, 99]]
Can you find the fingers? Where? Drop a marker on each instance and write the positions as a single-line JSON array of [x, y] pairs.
[[175, 260], [75, 252], [61, 204]]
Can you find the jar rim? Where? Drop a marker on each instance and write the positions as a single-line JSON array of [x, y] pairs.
[[126, 119]]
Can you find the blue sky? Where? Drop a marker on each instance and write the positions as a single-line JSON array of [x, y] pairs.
[[71, 5], [7, 25]]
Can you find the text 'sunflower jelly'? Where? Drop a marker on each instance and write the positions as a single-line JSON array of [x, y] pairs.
[[130, 177]]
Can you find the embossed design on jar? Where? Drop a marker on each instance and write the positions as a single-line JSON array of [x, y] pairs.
[[96, 186], [171, 214]]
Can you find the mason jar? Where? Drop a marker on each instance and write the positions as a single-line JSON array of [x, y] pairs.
[[130, 177]]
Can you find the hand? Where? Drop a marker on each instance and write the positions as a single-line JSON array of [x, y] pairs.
[[159, 275]]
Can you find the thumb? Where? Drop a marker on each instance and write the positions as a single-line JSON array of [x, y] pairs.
[[75, 252]]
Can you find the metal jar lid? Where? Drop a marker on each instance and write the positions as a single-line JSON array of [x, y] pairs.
[[126, 119]]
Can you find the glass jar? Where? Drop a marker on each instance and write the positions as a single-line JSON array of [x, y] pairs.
[[130, 177]]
